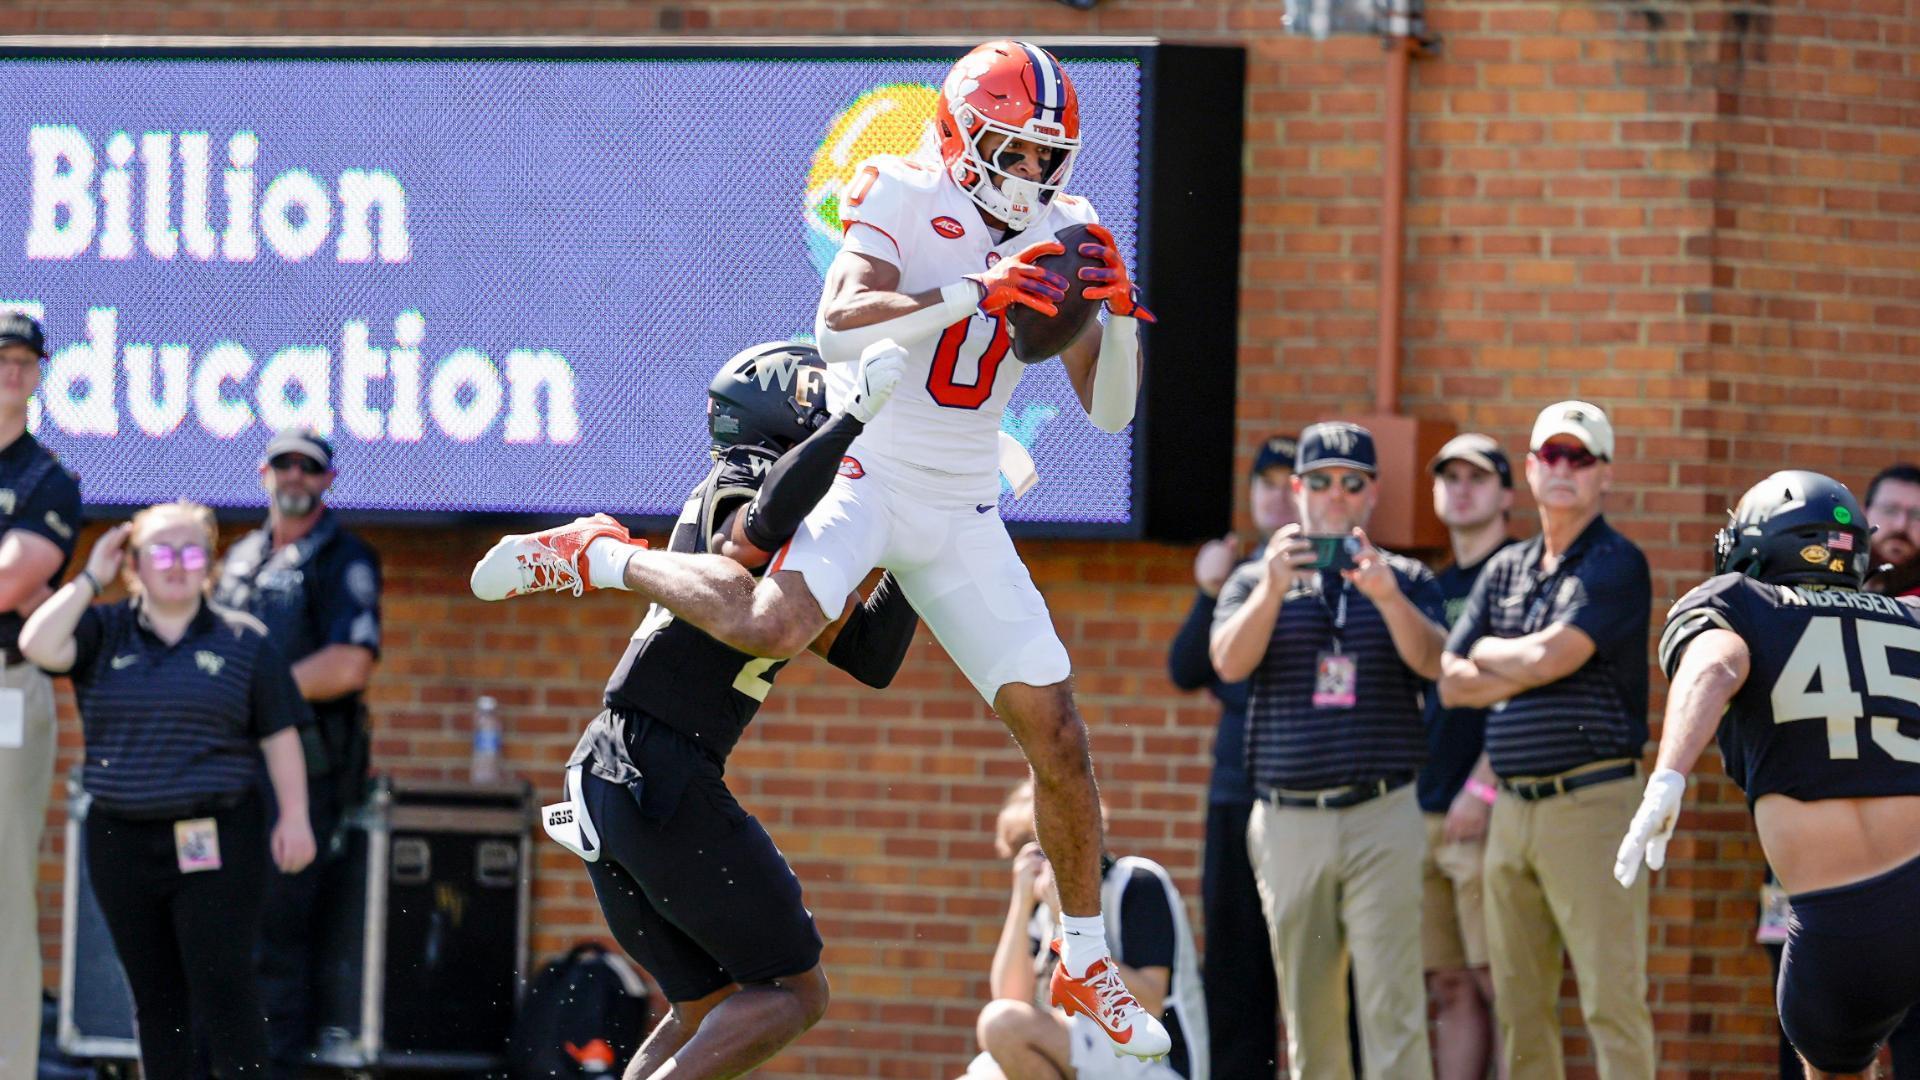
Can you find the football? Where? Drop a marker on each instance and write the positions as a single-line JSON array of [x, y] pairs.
[[1037, 337]]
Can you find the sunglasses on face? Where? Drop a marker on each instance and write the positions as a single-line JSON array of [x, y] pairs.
[[1578, 457], [1352, 483], [188, 556], [297, 461]]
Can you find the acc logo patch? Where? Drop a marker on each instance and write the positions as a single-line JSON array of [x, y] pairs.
[[1814, 553], [850, 468], [949, 228]]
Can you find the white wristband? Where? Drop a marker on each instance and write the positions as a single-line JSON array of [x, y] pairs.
[[607, 562]]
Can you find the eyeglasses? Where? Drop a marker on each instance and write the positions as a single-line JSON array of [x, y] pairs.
[[1576, 457], [189, 556], [1351, 483], [297, 461]]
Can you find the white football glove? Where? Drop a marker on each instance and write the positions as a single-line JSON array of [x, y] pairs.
[[1652, 826], [881, 365]]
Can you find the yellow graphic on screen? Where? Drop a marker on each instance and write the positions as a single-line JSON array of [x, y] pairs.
[[893, 119]]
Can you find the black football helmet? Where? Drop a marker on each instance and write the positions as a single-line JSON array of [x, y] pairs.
[[772, 395], [1796, 528]]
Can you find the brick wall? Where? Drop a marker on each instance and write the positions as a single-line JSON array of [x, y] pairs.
[[1701, 215]]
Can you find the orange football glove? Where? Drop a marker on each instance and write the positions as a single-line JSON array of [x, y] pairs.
[[1019, 281], [1111, 282]]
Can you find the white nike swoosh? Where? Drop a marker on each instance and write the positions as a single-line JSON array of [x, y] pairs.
[[123, 662], [1511, 601]]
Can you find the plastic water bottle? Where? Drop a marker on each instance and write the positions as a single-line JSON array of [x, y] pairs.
[[486, 741]]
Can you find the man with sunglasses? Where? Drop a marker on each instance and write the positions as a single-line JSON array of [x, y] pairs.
[[39, 513], [1554, 641], [316, 586], [1338, 640]]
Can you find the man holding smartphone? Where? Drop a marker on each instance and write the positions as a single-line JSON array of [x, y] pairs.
[[1337, 639]]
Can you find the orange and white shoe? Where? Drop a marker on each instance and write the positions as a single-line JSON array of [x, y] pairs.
[[551, 560], [1100, 996]]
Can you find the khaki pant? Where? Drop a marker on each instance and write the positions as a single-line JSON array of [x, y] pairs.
[[26, 779], [1549, 883], [1341, 885], [1453, 931]]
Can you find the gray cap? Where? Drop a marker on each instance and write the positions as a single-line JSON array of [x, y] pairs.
[[1480, 451], [304, 441]]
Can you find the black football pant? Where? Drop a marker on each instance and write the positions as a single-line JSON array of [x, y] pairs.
[[186, 940]]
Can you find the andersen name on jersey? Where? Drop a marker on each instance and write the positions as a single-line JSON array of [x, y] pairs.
[[1831, 705]]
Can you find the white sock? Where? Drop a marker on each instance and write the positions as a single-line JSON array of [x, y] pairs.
[[607, 562], [1083, 942]]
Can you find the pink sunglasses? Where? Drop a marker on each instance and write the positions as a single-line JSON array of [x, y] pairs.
[[189, 556]]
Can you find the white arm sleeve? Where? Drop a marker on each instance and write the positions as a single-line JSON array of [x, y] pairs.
[[1116, 374], [957, 301]]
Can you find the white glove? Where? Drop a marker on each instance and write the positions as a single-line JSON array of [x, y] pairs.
[[1652, 826], [881, 365]]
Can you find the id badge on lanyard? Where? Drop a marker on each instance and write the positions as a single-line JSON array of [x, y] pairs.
[[196, 844], [1336, 677]]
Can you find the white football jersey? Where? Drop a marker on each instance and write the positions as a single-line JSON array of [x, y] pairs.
[[945, 414]]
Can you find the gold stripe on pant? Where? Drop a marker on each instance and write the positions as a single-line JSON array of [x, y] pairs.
[[26, 780], [1342, 886], [1549, 884]]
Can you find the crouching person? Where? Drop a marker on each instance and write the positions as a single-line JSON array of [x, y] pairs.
[[1020, 1037]]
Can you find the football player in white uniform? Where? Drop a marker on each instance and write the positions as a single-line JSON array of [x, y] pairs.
[[933, 259]]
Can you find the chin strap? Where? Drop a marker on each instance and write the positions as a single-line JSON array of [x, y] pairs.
[[1116, 375]]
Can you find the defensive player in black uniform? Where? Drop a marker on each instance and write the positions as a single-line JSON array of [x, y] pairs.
[[1819, 684], [690, 883]]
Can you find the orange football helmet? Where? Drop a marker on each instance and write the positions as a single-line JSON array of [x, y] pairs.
[[1022, 92]]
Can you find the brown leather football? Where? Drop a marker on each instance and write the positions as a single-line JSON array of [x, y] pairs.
[[1037, 337]]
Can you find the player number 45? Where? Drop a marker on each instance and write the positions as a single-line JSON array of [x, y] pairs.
[[1822, 652]]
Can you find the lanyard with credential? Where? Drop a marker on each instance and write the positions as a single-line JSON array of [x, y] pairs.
[[1339, 616]]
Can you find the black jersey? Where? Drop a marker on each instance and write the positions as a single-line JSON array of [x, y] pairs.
[[674, 672], [1831, 705]]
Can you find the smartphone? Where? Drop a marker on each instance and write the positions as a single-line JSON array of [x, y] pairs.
[[1333, 552]]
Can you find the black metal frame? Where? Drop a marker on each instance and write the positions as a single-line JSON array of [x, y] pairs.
[[1189, 213]]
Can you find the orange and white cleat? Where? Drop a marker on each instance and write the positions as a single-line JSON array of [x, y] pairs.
[[551, 560], [1102, 997]]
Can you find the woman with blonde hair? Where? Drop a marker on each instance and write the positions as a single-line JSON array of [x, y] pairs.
[[179, 699]]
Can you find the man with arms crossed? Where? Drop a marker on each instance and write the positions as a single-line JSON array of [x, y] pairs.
[[1808, 681], [39, 513]]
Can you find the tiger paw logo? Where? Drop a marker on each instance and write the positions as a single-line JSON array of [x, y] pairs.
[[895, 119]]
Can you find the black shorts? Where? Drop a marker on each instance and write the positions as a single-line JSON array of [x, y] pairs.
[[690, 883], [1851, 969]]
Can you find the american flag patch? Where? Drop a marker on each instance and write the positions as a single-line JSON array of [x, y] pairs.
[[1840, 541]]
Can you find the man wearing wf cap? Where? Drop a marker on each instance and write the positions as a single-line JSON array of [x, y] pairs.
[[1242, 999], [1472, 496], [1554, 640], [316, 586], [1338, 659], [39, 513]]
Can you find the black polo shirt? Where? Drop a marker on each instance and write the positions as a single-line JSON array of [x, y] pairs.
[[37, 495], [170, 724], [1292, 743], [323, 589], [1602, 588], [1454, 736]]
